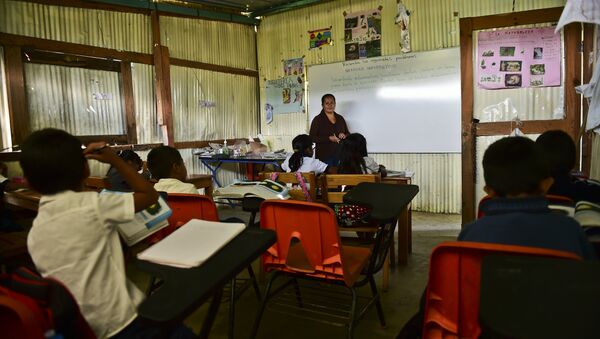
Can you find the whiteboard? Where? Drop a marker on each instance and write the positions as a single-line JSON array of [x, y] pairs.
[[402, 104]]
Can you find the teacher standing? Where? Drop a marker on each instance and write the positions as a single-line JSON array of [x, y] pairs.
[[327, 130]]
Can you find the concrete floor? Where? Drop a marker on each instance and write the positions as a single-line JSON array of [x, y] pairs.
[[400, 302]]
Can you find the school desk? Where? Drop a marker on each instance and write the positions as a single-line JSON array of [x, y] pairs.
[[535, 297], [184, 290], [213, 163], [23, 198]]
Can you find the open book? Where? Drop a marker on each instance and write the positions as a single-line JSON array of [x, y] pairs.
[[266, 189], [587, 213], [192, 244], [145, 222]]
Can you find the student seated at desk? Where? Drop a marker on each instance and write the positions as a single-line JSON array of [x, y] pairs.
[[354, 158], [559, 150], [166, 165], [517, 177], [74, 237], [302, 159], [116, 181]]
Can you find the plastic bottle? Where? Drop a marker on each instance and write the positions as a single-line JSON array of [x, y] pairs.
[[225, 149]]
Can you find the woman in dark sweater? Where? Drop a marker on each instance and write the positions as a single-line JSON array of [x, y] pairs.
[[327, 130]]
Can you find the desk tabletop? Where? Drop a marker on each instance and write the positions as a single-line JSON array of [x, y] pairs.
[[184, 290], [24, 198], [244, 158]]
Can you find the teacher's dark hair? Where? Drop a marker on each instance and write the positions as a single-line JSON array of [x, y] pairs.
[[328, 95], [300, 144]]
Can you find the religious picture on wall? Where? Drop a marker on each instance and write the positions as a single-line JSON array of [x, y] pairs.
[[362, 34], [285, 95], [293, 66], [518, 57], [320, 37]]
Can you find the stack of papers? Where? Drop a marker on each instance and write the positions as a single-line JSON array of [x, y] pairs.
[[192, 244], [407, 174], [266, 189]]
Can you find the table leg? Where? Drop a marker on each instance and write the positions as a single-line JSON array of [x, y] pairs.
[[250, 172], [403, 237], [212, 314], [409, 229], [213, 171]]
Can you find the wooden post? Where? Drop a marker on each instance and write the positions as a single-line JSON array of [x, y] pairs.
[[17, 97], [162, 83], [128, 102]]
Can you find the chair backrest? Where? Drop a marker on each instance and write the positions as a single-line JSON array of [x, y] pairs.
[[452, 297], [292, 178], [30, 306], [332, 183], [308, 240], [185, 207]]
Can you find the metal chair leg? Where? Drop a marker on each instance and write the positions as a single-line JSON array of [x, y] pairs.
[[254, 282], [211, 315], [352, 314], [231, 324], [377, 301], [297, 290], [262, 306]]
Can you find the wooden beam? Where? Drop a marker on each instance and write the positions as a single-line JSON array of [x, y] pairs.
[[167, 101], [61, 59], [90, 5], [467, 133], [516, 18], [588, 61], [572, 37], [74, 49], [109, 139], [17, 97], [214, 68], [128, 102], [528, 127]]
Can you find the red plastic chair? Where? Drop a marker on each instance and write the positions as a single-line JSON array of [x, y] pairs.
[[30, 306], [452, 297], [186, 207], [308, 246]]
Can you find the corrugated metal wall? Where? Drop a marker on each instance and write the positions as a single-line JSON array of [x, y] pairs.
[[234, 96], [595, 168], [108, 29], [434, 24]]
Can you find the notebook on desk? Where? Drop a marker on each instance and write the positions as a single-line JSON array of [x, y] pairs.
[[192, 244]]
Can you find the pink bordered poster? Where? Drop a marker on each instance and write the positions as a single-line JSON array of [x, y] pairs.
[[520, 57]]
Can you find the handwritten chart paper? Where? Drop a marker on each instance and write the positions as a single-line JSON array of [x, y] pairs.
[[521, 57], [285, 95]]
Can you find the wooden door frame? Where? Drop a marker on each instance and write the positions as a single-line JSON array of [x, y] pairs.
[[472, 129]]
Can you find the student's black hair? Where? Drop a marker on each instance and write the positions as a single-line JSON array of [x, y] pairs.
[[53, 161], [513, 166], [130, 155], [161, 160], [362, 144], [300, 144], [351, 158], [559, 150], [328, 95]]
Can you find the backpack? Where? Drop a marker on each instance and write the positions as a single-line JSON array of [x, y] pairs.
[[36, 307]]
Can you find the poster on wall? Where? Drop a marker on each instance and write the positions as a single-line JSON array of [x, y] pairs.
[[320, 37], [362, 34], [293, 66], [285, 95], [519, 57]]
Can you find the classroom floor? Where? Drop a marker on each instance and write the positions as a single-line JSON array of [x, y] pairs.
[[400, 302]]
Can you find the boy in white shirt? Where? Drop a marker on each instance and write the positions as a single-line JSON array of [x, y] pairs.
[[302, 159], [166, 165], [74, 237]]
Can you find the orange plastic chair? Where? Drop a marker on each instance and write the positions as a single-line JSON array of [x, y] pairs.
[[308, 246], [186, 207], [452, 296]]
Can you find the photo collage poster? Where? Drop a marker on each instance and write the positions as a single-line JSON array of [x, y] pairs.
[[519, 57], [293, 66], [320, 37], [362, 34], [285, 95]]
